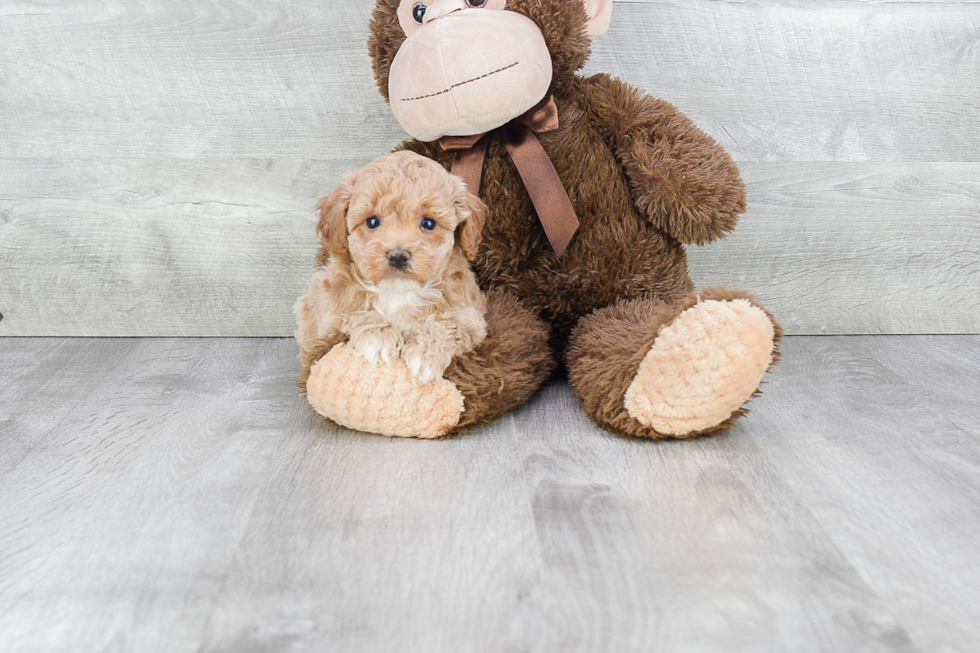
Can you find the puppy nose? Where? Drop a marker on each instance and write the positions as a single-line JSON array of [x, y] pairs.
[[398, 258]]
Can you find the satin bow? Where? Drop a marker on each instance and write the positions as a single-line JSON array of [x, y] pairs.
[[550, 200]]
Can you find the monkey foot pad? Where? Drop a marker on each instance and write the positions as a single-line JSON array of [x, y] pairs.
[[384, 398], [702, 367]]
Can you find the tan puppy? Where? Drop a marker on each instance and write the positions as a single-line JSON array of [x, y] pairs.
[[397, 282]]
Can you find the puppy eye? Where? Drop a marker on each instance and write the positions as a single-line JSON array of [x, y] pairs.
[[418, 12], [476, 4], [428, 224], [373, 222]]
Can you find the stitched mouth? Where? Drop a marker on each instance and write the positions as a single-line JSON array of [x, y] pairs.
[[458, 84]]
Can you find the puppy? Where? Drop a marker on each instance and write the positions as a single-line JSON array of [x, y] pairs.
[[399, 234]]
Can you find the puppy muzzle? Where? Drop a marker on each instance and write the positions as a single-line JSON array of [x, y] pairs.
[[399, 259]]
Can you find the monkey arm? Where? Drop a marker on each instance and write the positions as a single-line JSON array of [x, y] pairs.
[[682, 181]]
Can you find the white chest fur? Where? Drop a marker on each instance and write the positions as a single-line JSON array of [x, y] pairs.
[[402, 301]]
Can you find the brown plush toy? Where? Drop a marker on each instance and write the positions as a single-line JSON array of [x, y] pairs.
[[592, 190]]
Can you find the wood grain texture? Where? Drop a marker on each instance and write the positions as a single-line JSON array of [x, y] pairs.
[[857, 248], [789, 81], [810, 81], [158, 160], [885, 454], [146, 466], [178, 495], [224, 247]]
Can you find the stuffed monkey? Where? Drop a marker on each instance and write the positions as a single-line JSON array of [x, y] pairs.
[[593, 189]]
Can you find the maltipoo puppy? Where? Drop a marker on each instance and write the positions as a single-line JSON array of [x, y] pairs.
[[397, 282]]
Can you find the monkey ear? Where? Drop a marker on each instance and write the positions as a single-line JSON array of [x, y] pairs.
[[332, 227], [472, 213], [600, 13]]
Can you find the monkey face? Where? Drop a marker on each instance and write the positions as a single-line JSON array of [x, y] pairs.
[[465, 67]]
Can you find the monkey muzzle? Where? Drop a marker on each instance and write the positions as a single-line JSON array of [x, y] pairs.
[[468, 72]]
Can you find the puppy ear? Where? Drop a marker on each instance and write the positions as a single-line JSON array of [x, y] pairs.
[[332, 227], [472, 213]]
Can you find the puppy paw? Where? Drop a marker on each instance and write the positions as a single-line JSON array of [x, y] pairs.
[[425, 364], [376, 344]]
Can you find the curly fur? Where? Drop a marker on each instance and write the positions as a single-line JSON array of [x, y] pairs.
[[643, 179], [428, 312]]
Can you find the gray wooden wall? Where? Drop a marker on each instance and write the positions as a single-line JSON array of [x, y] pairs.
[[159, 159]]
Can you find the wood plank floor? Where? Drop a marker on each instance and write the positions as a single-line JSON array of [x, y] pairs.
[[177, 495]]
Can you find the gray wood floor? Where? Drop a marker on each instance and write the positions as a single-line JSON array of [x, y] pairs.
[[177, 495]]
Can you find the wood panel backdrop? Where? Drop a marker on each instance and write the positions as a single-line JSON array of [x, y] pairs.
[[159, 159]]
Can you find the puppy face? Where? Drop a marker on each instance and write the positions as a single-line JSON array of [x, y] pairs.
[[401, 217]]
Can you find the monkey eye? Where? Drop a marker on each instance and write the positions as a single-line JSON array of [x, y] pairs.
[[373, 222], [418, 11], [428, 224], [476, 4]]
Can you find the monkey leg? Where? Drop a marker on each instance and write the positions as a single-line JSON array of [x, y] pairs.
[[643, 368], [479, 386]]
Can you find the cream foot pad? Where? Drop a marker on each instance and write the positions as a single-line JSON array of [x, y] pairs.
[[384, 398], [702, 367]]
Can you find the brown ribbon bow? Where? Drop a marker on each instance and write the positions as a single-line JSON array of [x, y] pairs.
[[551, 201]]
